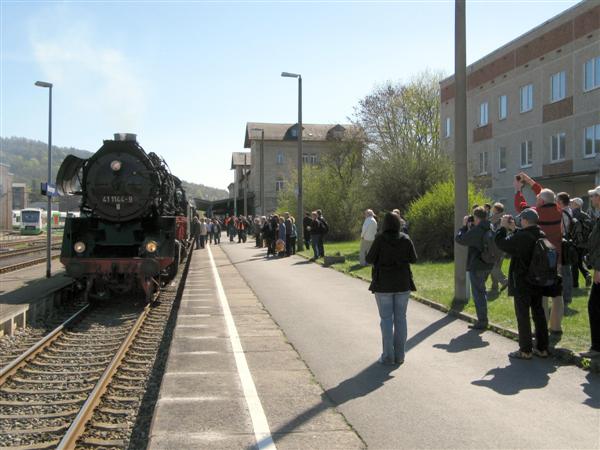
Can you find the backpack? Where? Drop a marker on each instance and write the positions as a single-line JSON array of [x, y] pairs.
[[490, 253], [323, 225], [569, 253], [580, 230], [543, 268]]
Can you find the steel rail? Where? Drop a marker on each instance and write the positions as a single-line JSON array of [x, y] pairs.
[[77, 428], [24, 251], [34, 350], [22, 265]]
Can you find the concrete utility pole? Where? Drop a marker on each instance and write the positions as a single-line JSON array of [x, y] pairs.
[[45, 84], [460, 147], [300, 214]]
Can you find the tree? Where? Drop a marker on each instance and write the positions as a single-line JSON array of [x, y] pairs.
[[335, 186], [431, 220], [401, 126]]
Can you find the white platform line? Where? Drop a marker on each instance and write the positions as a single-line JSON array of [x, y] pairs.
[[262, 432]]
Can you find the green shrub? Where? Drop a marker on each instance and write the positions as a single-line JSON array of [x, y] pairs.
[[431, 220]]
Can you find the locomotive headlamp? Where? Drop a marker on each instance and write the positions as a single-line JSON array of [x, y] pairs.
[[79, 247], [115, 165], [151, 246]]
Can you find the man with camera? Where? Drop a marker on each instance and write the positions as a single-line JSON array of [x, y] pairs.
[[472, 235], [521, 285], [550, 222]]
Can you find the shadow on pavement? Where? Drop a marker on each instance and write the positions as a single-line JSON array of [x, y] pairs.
[[363, 383], [518, 376], [428, 331], [592, 389], [468, 341]]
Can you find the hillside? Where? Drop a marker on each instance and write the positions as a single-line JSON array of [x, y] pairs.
[[28, 161]]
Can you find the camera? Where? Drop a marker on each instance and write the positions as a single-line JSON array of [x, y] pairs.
[[471, 219], [518, 177]]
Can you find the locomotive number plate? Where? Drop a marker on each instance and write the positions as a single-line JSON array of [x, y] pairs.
[[117, 199]]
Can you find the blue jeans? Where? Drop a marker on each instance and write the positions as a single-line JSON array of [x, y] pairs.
[[315, 244], [477, 279], [392, 311]]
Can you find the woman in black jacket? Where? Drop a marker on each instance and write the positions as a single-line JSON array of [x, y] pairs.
[[391, 254]]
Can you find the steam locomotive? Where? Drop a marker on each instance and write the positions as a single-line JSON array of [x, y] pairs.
[[133, 230]]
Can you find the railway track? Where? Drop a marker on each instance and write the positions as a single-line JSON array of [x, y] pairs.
[[23, 264], [31, 249], [83, 385]]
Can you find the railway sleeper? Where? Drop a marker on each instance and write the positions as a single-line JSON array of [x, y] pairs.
[[17, 379], [56, 429], [81, 390], [50, 415], [111, 443], [110, 426]]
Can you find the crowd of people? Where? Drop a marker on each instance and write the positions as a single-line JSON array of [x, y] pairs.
[[549, 245], [277, 233]]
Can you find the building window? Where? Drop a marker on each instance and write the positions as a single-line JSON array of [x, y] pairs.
[[483, 114], [591, 141], [557, 147], [526, 94], [558, 86], [502, 107], [502, 159], [483, 163], [294, 132], [310, 159], [278, 185], [448, 128], [526, 154], [591, 73], [280, 158]]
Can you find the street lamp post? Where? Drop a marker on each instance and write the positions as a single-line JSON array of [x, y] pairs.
[[299, 213], [261, 195], [44, 84]]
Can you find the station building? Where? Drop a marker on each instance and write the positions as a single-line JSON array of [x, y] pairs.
[[6, 202], [280, 153], [533, 105]]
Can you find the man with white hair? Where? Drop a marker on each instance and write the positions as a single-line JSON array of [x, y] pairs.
[[367, 235], [550, 222], [593, 259]]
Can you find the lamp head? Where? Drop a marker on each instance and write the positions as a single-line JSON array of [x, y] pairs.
[[43, 84], [290, 75]]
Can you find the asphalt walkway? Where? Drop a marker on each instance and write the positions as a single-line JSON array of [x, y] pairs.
[[457, 388]]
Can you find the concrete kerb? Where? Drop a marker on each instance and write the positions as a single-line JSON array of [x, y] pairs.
[[563, 355]]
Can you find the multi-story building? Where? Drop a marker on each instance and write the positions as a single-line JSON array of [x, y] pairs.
[[5, 197], [280, 147], [19, 196], [533, 105]]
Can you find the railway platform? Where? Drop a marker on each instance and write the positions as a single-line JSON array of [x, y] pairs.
[[232, 379], [26, 293]]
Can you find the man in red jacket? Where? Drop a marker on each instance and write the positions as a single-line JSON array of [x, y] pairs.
[[550, 221]]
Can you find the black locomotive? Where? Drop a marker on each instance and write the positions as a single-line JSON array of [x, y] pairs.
[[133, 230]]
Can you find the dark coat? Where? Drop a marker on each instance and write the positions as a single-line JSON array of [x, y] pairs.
[[195, 231], [306, 222], [519, 246], [473, 238], [391, 255]]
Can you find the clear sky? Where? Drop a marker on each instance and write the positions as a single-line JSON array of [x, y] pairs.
[[187, 76]]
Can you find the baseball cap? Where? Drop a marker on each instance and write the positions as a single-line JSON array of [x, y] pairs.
[[577, 200], [594, 191], [530, 215]]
